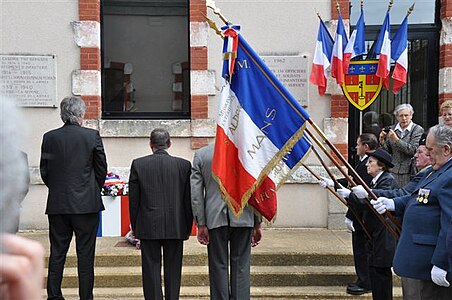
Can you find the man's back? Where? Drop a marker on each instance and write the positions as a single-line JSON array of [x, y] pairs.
[[160, 197], [73, 166]]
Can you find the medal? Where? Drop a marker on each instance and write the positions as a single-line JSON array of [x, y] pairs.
[[422, 196]]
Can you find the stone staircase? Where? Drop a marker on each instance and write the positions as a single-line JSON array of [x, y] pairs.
[[279, 275]]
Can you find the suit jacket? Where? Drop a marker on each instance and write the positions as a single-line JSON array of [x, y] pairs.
[[159, 197], [382, 245], [361, 170], [403, 150], [425, 226], [209, 209], [73, 166], [406, 190]]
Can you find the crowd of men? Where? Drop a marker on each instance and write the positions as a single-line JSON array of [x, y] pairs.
[[168, 192]]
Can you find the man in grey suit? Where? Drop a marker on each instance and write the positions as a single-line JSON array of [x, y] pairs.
[[218, 227], [73, 166], [160, 215]]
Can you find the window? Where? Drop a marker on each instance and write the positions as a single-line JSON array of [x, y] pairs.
[[145, 59]]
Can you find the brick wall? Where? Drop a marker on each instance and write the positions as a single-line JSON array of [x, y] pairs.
[[198, 62], [89, 10], [339, 104], [445, 54]]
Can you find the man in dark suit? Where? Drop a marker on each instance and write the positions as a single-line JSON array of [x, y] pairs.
[[73, 167], [160, 214], [421, 251], [228, 238], [365, 142]]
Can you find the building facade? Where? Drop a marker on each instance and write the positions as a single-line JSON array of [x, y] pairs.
[[144, 64]]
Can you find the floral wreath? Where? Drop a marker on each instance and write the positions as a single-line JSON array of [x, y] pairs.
[[114, 186]]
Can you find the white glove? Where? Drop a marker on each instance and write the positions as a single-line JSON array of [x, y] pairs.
[[439, 276], [326, 182], [344, 192], [382, 204], [360, 192], [349, 224]]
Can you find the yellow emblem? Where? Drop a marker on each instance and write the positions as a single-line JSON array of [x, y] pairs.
[[361, 86]]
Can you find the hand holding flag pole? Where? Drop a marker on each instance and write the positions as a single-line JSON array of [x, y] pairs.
[[342, 200], [395, 232]]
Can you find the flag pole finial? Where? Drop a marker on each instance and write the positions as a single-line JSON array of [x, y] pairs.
[[318, 14], [390, 4], [338, 7], [213, 25], [211, 4], [362, 4], [410, 10]]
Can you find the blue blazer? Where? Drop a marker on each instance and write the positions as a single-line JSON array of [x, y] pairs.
[[422, 243]]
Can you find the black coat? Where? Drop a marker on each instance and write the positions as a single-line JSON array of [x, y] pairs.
[[159, 197], [361, 170], [382, 244], [73, 166]]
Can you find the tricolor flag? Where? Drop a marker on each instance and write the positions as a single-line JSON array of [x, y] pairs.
[[357, 44], [340, 42], [322, 58], [114, 220], [399, 53], [383, 48], [259, 138]]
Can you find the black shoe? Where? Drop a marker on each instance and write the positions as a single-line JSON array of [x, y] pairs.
[[355, 289]]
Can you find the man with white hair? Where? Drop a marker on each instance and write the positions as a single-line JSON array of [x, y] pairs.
[[427, 211], [401, 141], [73, 166]]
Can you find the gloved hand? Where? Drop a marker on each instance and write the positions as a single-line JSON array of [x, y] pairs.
[[344, 192], [382, 204], [360, 192], [326, 182], [349, 224], [439, 276]]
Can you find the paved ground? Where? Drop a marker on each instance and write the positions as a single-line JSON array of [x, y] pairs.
[[320, 241]]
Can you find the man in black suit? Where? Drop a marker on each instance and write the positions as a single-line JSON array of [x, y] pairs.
[[160, 214], [366, 142], [73, 167]]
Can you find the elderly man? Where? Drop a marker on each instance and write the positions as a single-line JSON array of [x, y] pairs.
[[73, 167], [421, 252]]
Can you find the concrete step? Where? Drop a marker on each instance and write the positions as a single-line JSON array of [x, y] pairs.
[[257, 293], [261, 276], [259, 259]]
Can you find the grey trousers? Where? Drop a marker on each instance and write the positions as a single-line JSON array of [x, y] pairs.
[[229, 245]]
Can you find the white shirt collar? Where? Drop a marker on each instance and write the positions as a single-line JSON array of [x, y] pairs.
[[363, 158], [374, 181], [408, 128]]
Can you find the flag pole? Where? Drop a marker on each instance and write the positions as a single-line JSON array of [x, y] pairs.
[[410, 9], [211, 4], [342, 200], [395, 232]]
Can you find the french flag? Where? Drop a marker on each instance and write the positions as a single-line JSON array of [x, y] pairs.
[[399, 53], [114, 220], [340, 42], [357, 44], [260, 135], [322, 58], [383, 48]]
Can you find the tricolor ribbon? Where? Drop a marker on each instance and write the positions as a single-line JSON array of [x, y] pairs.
[[231, 42]]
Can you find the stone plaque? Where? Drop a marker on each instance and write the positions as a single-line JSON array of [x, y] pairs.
[[292, 71], [29, 79]]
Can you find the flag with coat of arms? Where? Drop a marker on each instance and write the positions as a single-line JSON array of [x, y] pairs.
[[260, 132]]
